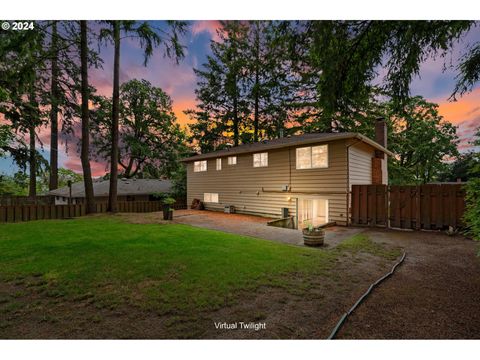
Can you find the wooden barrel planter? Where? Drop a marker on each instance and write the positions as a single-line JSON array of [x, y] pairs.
[[313, 237]]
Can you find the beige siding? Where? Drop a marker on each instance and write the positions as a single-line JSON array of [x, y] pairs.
[[259, 190], [360, 163]]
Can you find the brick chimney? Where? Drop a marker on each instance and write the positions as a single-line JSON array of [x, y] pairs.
[[381, 132], [381, 138]]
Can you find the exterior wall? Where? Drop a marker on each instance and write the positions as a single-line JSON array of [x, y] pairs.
[[259, 190], [360, 163]]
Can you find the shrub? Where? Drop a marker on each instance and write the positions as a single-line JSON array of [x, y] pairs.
[[169, 201], [472, 211], [159, 195]]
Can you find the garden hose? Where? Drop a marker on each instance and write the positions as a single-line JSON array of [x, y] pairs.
[[360, 300]]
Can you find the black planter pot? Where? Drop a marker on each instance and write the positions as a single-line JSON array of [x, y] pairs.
[[167, 214]]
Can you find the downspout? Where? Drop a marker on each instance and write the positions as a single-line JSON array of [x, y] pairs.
[[348, 179]]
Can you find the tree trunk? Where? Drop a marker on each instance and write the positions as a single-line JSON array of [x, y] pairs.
[[235, 113], [87, 172], [257, 84], [256, 110], [32, 191], [53, 183], [112, 197]]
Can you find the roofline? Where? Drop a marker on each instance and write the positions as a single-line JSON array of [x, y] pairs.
[[345, 136]]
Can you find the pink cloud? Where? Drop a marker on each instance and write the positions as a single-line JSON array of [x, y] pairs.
[[208, 26], [465, 113]]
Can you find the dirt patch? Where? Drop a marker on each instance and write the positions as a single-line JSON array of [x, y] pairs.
[[433, 295], [142, 218]]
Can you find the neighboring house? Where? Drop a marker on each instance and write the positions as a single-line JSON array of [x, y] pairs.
[[127, 190], [310, 175]]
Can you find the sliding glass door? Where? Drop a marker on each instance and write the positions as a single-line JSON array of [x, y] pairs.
[[312, 211]]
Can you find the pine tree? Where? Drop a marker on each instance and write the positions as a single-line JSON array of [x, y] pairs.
[[222, 113], [149, 37]]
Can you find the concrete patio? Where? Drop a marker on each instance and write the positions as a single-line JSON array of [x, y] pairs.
[[256, 226]]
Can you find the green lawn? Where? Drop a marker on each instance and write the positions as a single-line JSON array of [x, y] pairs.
[[166, 268]]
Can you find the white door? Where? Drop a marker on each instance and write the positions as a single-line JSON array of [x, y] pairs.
[[312, 211]]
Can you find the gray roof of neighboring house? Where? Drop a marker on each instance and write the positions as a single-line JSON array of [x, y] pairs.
[[287, 142], [125, 187]]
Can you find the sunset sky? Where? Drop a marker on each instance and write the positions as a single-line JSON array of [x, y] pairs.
[[179, 82]]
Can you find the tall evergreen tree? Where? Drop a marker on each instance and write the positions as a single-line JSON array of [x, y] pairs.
[[149, 37], [221, 95], [54, 92], [23, 75], [85, 142]]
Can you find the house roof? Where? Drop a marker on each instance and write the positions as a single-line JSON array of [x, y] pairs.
[[125, 187], [287, 142]]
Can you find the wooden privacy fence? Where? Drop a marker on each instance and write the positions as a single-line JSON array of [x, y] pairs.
[[429, 207], [18, 213]]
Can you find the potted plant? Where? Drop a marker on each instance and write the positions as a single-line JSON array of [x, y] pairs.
[[167, 208], [313, 236]]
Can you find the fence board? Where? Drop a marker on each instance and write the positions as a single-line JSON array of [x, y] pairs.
[[18, 213], [428, 206]]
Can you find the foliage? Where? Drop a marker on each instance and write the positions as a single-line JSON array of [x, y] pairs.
[[150, 138], [14, 185], [462, 168], [246, 89], [472, 211], [169, 201], [179, 182], [468, 71], [149, 38], [346, 56], [159, 195], [421, 139], [18, 184], [222, 106], [6, 137], [64, 176]]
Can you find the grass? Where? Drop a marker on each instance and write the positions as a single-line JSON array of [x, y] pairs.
[[362, 243], [166, 268], [170, 269]]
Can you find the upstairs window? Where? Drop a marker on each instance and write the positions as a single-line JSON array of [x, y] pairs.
[[312, 157], [199, 166], [232, 160], [219, 164], [260, 159]]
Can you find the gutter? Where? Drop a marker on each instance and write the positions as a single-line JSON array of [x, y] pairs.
[[348, 177], [235, 151]]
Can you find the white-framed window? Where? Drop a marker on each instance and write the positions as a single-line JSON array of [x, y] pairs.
[[312, 157], [232, 160], [199, 166], [219, 164], [210, 197], [260, 159]]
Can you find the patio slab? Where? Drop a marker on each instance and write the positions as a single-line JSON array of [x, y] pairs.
[[256, 226]]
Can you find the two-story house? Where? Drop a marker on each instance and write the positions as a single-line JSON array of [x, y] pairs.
[[310, 175]]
